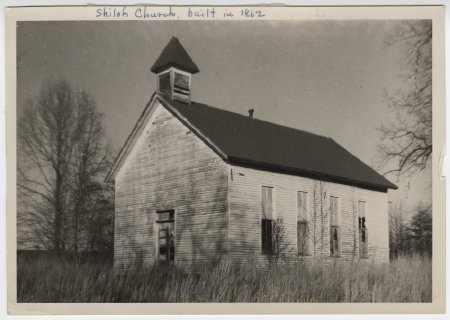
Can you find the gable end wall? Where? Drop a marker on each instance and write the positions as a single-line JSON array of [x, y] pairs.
[[170, 168]]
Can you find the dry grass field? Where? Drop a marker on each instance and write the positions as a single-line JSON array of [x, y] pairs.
[[52, 279]]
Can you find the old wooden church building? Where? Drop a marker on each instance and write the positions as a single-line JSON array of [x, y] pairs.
[[196, 183]]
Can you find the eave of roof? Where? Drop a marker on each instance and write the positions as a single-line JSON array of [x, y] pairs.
[[308, 174], [129, 142]]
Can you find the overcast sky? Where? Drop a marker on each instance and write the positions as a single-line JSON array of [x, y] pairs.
[[324, 77]]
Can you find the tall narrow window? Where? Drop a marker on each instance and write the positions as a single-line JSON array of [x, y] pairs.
[[335, 232], [362, 226], [302, 224], [266, 219]]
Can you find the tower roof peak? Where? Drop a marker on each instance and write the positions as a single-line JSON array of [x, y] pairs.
[[174, 55]]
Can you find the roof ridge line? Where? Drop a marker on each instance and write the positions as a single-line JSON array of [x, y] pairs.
[[261, 120]]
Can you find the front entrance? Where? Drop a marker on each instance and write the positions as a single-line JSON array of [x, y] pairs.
[[165, 236]]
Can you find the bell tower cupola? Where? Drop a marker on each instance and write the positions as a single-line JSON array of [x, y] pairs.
[[174, 69]]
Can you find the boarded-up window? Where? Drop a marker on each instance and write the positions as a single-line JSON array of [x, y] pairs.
[[164, 83], [363, 234], [266, 219], [335, 232], [302, 224]]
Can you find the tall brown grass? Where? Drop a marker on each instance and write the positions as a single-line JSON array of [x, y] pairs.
[[44, 279]]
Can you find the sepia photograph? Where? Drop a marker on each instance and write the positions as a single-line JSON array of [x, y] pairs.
[[214, 161]]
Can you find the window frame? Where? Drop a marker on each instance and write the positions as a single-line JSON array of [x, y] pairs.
[[336, 226], [306, 221], [363, 254], [156, 228], [262, 186]]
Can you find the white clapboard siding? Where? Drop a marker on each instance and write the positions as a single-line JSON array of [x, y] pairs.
[[217, 206], [170, 167], [245, 209]]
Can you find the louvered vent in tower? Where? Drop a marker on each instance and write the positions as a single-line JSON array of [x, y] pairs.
[[164, 83], [176, 84], [181, 87], [175, 68]]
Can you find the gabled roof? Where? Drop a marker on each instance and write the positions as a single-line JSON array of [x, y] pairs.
[[174, 55], [268, 146]]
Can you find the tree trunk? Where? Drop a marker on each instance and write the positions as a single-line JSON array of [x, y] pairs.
[[59, 235]]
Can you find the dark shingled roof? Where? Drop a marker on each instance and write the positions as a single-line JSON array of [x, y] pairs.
[[257, 143], [174, 55]]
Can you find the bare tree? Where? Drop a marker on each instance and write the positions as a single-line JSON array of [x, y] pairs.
[[281, 247], [398, 231], [45, 134], [421, 230], [320, 216], [408, 235], [61, 155], [100, 223], [407, 141], [90, 161], [355, 233]]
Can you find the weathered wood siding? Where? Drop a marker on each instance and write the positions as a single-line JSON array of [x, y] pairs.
[[170, 167], [245, 210]]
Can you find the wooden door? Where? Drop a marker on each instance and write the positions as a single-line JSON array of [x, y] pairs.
[[165, 237], [166, 243]]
